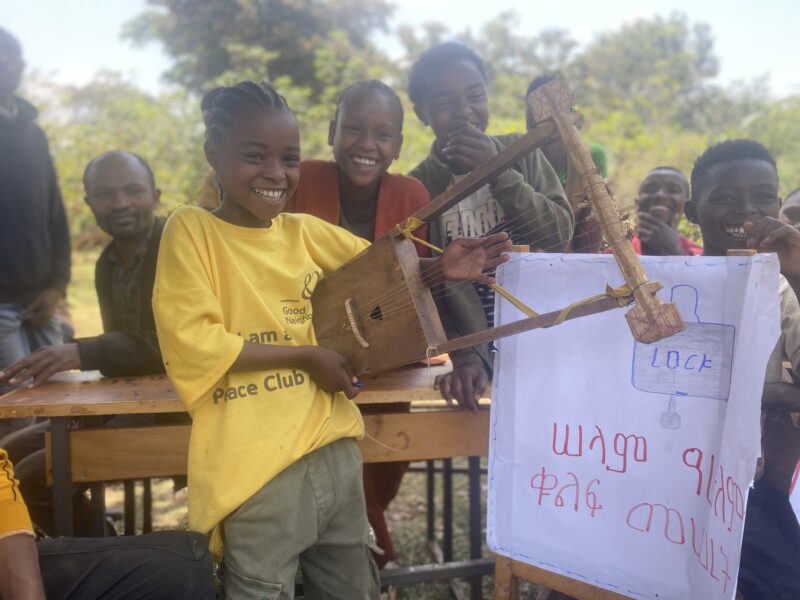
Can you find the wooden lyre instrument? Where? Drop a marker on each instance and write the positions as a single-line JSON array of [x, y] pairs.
[[355, 308]]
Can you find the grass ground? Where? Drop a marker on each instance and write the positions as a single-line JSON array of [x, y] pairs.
[[406, 515]]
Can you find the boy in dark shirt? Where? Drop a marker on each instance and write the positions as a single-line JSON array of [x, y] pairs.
[[734, 199]]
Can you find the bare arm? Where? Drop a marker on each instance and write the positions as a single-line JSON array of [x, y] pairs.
[[20, 578]]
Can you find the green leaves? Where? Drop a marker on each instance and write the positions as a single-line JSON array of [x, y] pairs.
[[647, 89]]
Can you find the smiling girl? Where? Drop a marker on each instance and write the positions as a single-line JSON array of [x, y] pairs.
[[274, 470]]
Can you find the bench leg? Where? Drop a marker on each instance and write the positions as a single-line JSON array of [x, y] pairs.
[[475, 537], [147, 506], [447, 509], [98, 492], [506, 585], [62, 486], [430, 475], [129, 486]]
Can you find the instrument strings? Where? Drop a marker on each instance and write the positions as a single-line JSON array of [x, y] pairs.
[[398, 302], [393, 302], [519, 226]]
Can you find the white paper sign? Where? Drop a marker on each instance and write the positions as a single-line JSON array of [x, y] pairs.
[[627, 465]]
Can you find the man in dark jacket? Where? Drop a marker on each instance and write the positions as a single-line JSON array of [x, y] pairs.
[[121, 191], [34, 237]]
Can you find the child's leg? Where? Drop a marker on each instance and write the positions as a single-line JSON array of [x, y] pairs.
[[340, 565], [265, 536]]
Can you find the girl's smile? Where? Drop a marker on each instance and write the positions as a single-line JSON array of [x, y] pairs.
[[257, 161]]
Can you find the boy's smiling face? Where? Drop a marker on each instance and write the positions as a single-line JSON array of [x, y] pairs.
[[663, 194], [258, 164], [366, 137], [454, 99], [732, 194]]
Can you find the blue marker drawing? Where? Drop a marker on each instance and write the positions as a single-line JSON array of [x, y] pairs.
[[695, 362]]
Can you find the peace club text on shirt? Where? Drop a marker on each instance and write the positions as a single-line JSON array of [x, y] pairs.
[[275, 381], [272, 382]]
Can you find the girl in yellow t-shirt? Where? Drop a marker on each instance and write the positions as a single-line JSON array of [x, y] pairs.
[[274, 471]]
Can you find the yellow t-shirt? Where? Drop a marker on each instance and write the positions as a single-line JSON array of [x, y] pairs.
[[218, 284], [14, 517]]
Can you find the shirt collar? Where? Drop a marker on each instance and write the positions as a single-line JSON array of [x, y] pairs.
[[115, 257]]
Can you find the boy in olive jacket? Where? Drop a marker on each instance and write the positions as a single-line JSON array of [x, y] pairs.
[[447, 86]]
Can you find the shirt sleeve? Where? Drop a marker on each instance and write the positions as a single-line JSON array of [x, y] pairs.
[[121, 353], [331, 246], [14, 518], [196, 347], [790, 325], [536, 203]]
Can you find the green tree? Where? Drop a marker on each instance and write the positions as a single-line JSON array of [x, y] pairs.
[[111, 114], [655, 68], [200, 36]]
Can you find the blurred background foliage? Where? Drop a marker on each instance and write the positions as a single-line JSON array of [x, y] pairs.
[[647, 89]]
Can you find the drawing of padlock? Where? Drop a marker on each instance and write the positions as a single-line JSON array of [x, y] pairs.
[[695, 362]]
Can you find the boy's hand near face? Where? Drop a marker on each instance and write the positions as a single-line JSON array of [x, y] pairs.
[[467, 148], [657, 235], [772, 235], [464, 384]]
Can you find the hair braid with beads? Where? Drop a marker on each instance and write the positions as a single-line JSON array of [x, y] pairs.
[[221, 105]]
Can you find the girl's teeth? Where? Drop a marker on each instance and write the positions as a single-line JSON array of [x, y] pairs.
[[367, 162], [269, 195]]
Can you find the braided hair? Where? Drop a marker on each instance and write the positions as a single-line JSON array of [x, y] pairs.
[[371, 85], [221, 105]]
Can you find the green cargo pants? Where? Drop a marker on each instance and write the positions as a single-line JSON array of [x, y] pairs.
[[312, 514]]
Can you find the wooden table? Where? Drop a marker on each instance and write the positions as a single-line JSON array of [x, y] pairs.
[[78, 453]]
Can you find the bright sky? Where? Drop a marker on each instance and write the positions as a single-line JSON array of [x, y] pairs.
[[71, 40]]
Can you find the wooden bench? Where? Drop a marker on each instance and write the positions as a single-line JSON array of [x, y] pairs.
[[78, 453], [509, 572]]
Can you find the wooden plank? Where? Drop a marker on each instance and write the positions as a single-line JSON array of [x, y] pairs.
[[506, 585], [425, 435], [528, 324], [135, 453], [572, 587], [82, 394]]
